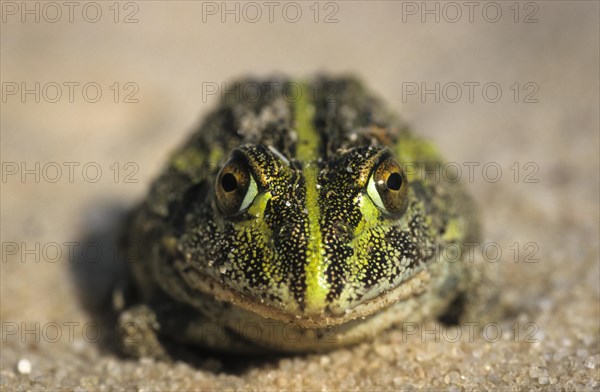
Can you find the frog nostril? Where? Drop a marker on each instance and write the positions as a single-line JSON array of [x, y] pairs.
[[286, 231], [341, 230]]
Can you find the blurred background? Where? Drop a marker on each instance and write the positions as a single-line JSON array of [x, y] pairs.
[[96, 94]]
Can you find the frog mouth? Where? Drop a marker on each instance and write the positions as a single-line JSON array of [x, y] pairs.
[[414, 286]]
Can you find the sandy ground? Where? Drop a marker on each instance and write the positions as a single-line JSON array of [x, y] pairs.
[[72, 162]]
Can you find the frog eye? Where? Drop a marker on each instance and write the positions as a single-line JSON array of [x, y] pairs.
[[388, 186], [235, 187]]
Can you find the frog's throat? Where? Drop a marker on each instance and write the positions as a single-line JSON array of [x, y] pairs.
[[414, 286]]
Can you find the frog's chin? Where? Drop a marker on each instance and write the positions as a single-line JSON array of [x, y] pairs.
[[333, 314]]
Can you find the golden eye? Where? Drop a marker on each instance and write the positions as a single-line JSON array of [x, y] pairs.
[[388, 187], [235, 187]]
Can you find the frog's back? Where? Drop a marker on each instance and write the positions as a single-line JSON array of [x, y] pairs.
[[263, 112]]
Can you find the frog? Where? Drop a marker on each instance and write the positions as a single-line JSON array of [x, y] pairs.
[[296, 218]]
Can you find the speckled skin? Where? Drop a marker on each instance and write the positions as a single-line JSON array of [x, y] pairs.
[[312, 263]]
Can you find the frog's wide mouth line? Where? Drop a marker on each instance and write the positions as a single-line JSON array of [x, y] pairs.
[[415, 285]]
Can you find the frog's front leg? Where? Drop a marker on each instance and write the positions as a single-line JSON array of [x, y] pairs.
[[482, 300], [149, 331], [139, 332]]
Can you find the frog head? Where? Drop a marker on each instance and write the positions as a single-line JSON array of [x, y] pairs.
[[309, 239]]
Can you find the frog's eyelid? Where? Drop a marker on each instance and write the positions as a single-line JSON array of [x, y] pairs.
[[374, 194], [279, 155], [251, 193]]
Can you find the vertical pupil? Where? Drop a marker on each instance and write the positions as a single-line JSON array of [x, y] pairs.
[[229, 182], [394, 181]]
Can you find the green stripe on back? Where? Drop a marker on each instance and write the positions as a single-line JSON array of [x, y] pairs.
[[307, 151], [307, 148]]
